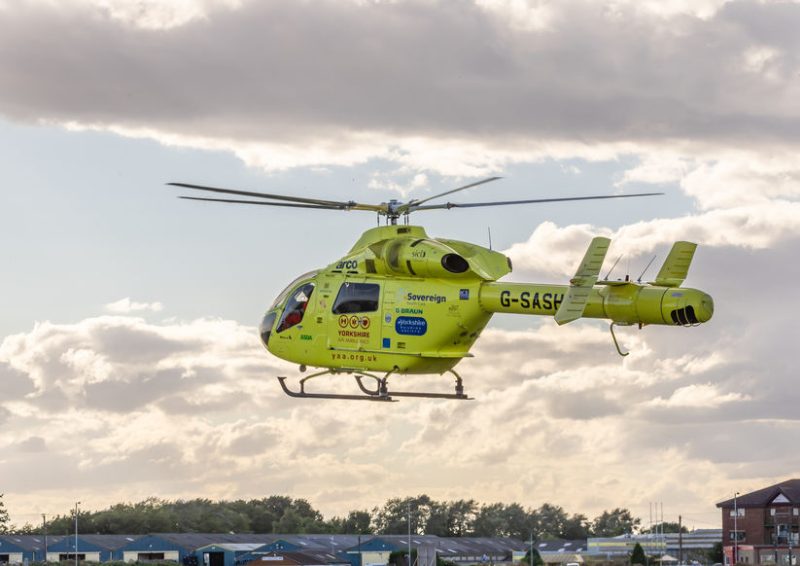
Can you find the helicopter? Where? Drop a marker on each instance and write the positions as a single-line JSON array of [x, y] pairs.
[[402, 303]]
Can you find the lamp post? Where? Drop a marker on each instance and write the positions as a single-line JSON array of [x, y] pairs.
[[44, 528], [735, 529], [76, 532], [531, 561], [409, 533]]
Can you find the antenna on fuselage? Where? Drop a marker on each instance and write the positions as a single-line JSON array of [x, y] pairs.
[[639, 280], [489, 229], [612, 267]]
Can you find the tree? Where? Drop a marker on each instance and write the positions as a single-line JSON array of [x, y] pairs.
[[3, 516], [715, 555], [356, 523], [451, 518], [549, 522], [638, 556], [537, 558], [301, 517], [265, 513], [576, 527], [393, 517], [489, 520], [614, 523], [516, 522]]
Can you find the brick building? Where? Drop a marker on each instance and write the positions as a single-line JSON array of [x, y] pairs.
[[761, 527]]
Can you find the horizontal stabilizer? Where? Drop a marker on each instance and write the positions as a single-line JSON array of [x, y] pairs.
[[676, 266], [580, 286]]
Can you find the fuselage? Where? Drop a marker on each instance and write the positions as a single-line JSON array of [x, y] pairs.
[[400, 301]]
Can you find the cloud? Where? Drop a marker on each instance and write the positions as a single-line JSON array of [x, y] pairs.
[[552, 405], [408, 81], [126, 306], [697, 395], [458, 89], [556, 251]]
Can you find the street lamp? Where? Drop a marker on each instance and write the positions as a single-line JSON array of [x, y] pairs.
[[409, 533], [530, 563], [76, 532], [44, 528], [735, 529]]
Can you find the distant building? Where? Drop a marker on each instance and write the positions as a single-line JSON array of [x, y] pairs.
[[623, 545], [24, 548], [561, 552], [761, 527], [690, 546], [94, 548], [295, 559]]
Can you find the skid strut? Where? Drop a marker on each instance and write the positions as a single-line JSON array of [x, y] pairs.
[[302, 393], [383, 389]]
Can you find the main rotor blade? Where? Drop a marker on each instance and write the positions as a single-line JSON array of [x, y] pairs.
[[343, 204], [413, 204], [448, 205], [266, 203]]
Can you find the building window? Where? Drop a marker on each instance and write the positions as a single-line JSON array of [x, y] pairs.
[[772, 511], [736, 535], [795, 511], [738, 512]]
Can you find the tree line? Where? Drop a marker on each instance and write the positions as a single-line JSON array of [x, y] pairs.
[[282, 514]]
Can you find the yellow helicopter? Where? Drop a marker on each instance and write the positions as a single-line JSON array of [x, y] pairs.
[[400, 302]]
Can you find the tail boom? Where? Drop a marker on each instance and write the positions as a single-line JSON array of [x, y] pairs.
[[627, 303]]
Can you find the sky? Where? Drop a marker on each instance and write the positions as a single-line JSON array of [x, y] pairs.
[[129, 360]]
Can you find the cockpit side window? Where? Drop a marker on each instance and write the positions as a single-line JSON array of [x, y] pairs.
[[282, 297], [295, 307], [357, 297]]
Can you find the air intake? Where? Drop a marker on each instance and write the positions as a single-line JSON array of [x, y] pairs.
[[454, 263]]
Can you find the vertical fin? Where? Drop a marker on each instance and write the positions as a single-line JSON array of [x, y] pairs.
[[580, 286], [676, 266]]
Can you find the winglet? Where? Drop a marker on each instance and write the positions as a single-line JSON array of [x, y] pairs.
[[580, 286], [676, 266]]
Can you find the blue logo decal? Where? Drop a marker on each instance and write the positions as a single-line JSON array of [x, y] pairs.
[[387, 343], [411, 325], [463, 294]]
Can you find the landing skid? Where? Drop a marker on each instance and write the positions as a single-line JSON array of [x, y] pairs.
[[303, 394], [383, 390], [380, 393]]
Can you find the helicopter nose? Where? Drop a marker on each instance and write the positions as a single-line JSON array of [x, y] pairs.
[[265, 328]]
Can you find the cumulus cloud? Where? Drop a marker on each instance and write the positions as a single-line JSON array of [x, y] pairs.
[[485, 83], [457, 89], [697, 395], [552, 405], [556, 251], [126, 305]]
